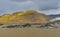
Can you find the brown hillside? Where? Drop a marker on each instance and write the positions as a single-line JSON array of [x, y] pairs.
[[29, 16]]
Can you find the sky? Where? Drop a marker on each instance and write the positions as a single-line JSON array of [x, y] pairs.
[[48, 7]]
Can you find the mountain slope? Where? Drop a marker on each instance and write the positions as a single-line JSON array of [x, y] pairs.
[[29, 16], [57, 15]]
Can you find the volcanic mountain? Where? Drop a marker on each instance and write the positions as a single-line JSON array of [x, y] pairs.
[[23, 17]]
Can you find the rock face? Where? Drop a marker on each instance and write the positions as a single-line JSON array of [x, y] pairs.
[[29, 16]]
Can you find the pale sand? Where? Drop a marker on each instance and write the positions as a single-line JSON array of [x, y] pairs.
[[29, 32]]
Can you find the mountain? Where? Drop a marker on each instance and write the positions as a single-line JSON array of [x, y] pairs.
[[57, 15], [29, 16]]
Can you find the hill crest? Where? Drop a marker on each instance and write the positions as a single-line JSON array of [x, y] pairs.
[[29, 16]]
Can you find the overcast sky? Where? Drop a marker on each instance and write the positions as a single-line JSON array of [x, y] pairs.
[[45, 6]]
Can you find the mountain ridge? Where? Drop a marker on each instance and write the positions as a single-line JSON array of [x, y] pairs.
[[55, 16]]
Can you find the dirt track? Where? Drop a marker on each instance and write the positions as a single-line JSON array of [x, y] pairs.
[[29, 32]]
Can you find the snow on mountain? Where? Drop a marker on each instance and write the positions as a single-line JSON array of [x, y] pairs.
[[54, 19]]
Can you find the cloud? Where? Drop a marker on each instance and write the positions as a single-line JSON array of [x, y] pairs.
[[52, 11], [45, 6], [10, 6], [19, 0]]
